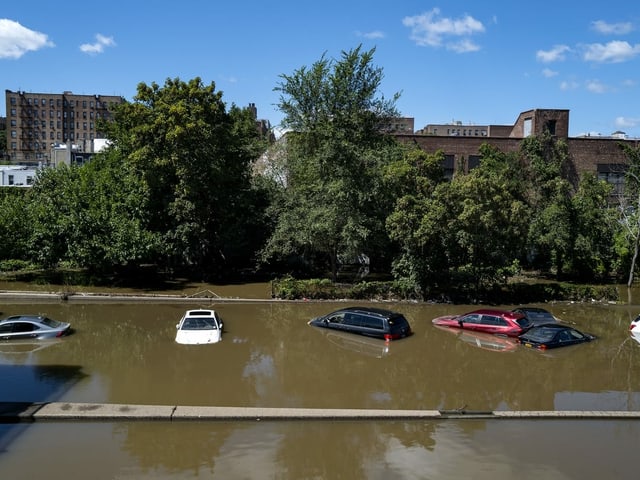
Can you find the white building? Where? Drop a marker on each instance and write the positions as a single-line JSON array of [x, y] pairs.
[[17, 175]]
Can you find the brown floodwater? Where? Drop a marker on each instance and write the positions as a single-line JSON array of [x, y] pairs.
[[124, 352]]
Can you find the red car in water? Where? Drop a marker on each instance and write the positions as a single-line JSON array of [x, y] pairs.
[[499, 322]]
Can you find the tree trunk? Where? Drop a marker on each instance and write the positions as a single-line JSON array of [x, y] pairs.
[[636, 240], [334, 266], [633, 261]]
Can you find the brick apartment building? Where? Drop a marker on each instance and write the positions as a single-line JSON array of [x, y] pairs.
[[37, 123]]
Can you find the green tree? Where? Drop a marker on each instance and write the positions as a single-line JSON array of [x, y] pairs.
[[487, 219], [15, 228], [417, 223], [93, 217], [195, 160], [471, 230], [332, 205], [596, 228], [553, 225], [629, 207], [56, 210]]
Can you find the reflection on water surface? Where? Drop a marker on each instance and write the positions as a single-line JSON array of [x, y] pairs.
[[269, 356]]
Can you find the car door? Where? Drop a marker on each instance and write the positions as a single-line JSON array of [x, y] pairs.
[[470, 322], [23, 330], [6, 331], [372, 326], [352, 322], [493, 324], [336, 321]]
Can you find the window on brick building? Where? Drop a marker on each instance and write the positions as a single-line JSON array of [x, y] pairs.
[[473, 161], [550, 126], [613, 174], [448, 166]]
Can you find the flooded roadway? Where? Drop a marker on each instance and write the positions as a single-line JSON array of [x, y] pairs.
[[269, 357]]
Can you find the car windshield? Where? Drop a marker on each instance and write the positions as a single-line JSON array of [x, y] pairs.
[[200, 324], [541, 334]]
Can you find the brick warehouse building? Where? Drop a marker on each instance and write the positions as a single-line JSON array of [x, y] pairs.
[[38, 122], [598, 154]]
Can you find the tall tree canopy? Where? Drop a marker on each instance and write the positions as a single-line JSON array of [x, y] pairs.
[[332, 204], [195, 158], [629, 210], [417, 222], [94, 216]]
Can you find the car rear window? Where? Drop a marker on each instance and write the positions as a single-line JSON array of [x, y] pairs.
[[50, 323], [397, 322], [200, 324]]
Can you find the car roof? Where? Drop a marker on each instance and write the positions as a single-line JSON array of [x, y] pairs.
[[556, 326], [498, 312], [532, 309], [372, 310], [20, 318], [200, 313]]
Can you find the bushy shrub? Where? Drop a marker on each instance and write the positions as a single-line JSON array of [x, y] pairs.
[[15, 265], [289, 288]]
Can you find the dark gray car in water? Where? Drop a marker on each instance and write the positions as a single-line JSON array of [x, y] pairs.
[[372, 322]]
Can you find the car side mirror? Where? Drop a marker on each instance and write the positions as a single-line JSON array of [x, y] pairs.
[[460, 322], [177, 326]]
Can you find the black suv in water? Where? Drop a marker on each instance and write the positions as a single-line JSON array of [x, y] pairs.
[[372, 322]]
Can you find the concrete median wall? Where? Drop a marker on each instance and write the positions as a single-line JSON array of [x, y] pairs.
[[18, 412]]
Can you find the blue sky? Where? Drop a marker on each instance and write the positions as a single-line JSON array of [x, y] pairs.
[[474, 62]]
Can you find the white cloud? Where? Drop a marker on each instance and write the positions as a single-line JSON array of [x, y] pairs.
[[463, 46], [603, 27], [547, 72], [16, 40], [98, 46], [374, 35], [429, 29], [612, 52], [596, 86], [556, 54], [626, 122], [568, 85]]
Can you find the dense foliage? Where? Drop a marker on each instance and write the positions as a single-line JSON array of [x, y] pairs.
[[174, 189], [333, 204], [191, 187]]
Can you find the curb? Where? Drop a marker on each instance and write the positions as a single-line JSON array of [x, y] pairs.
[[24, 412]]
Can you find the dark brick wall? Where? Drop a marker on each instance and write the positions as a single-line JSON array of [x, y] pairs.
[[585, 153]]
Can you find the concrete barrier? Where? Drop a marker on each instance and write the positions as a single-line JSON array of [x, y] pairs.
[[133, 297], [17, 412]]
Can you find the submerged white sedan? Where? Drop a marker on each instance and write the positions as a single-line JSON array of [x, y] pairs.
[[199, 327], [634, 328]]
